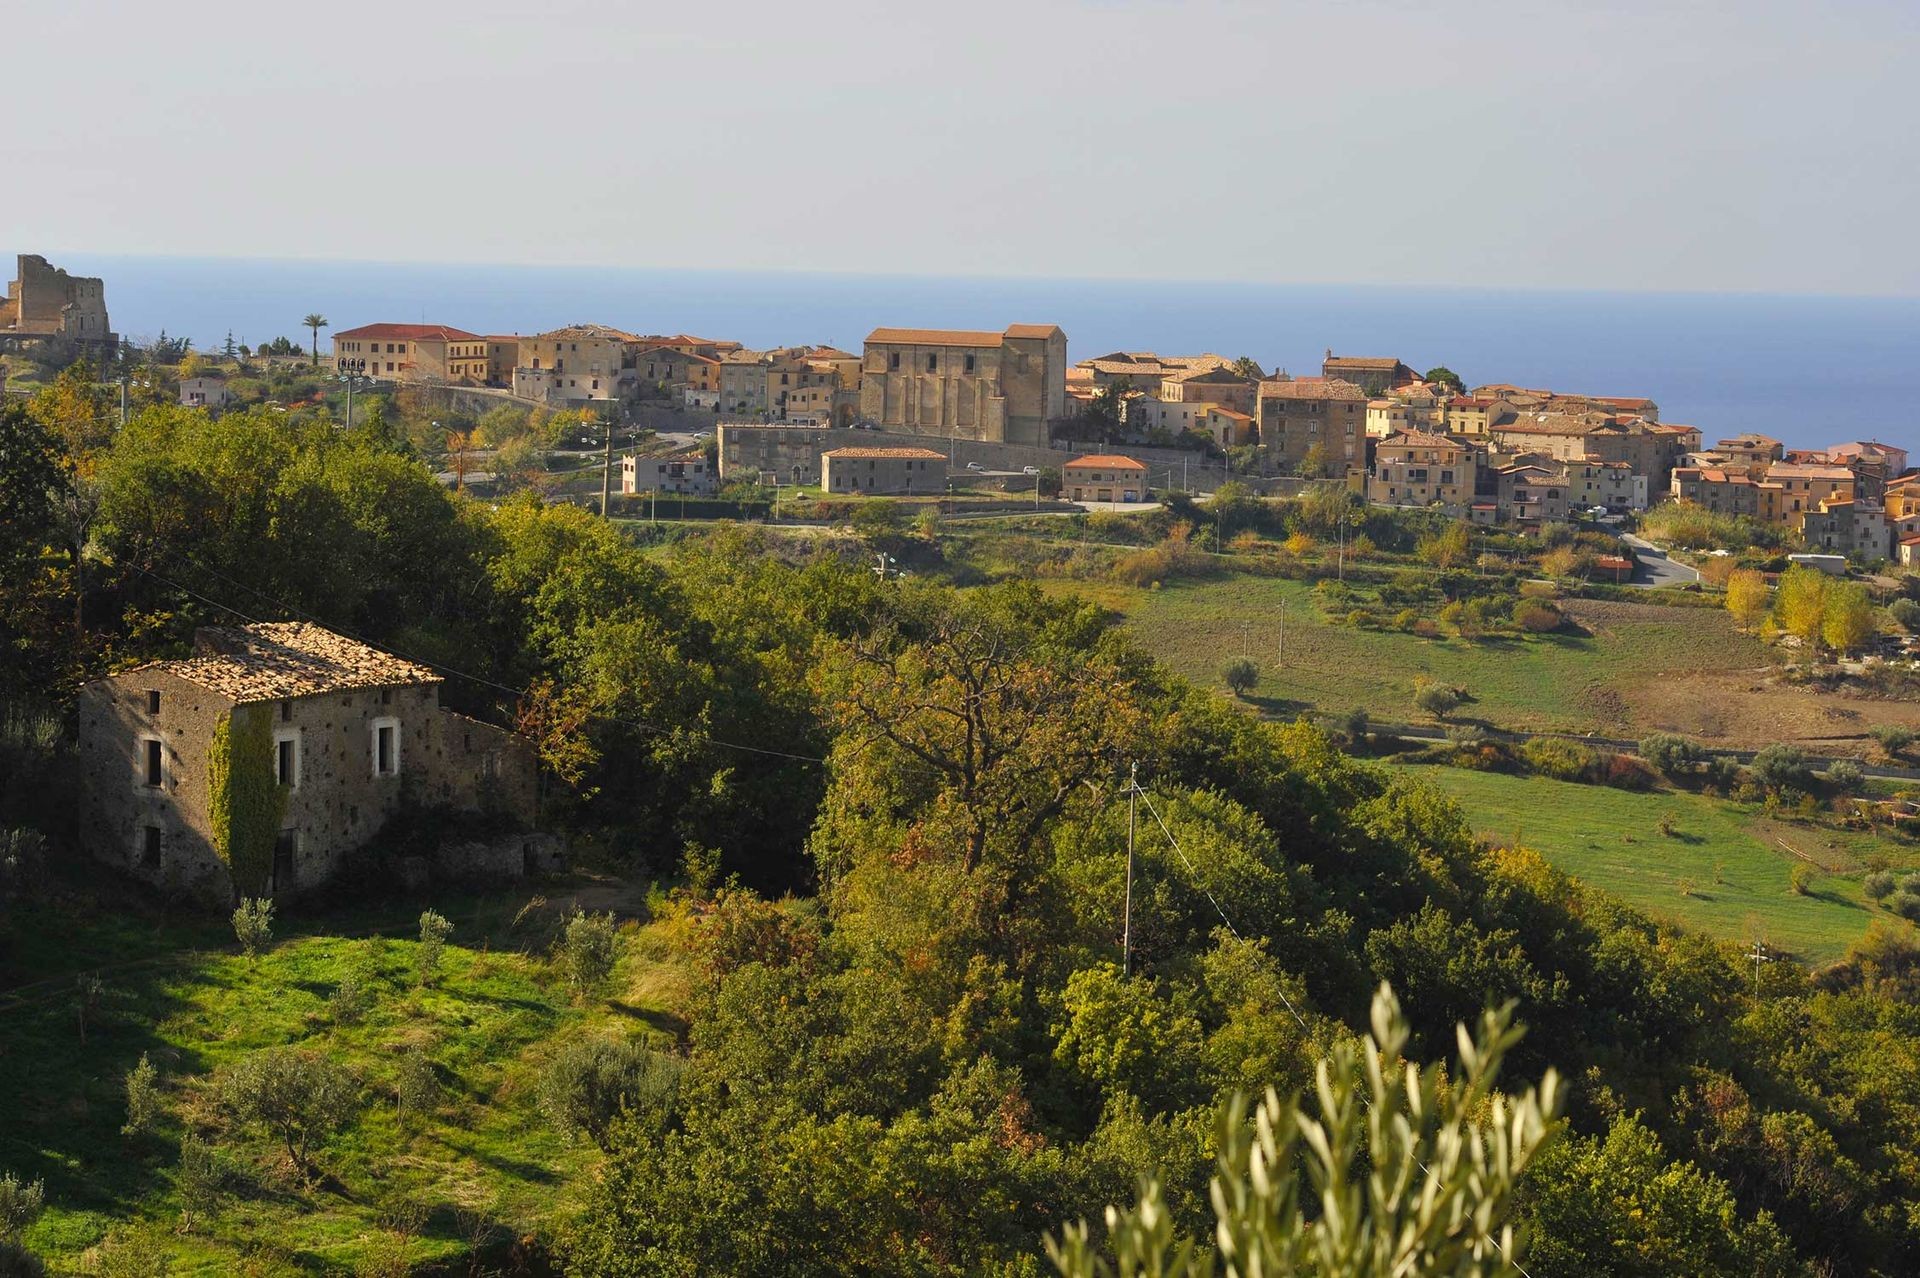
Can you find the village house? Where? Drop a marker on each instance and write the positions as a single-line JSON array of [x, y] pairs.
[[773, 452], [1848, 526], [1802, 486], [814, 383], [669, 367], [503, 356], [1001, 387], [1295, 415], [875, 472], [209, 390], [430, 353], [1420, 469], [1375, 376], [1533, 494], [1748, 452], [1722, 491], [1592, 483], [1104, 477], [578, 364], [683, 473], [259, 764]]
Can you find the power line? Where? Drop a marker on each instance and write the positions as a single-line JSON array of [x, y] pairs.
[[442, 668]]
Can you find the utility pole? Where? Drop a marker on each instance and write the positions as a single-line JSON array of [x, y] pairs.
[[1126, 915], [606, 476], [1759, 955], [123, 401]]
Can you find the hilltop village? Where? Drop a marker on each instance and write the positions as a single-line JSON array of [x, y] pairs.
[[1494, 453]]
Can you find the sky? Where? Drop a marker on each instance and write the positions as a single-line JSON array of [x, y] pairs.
[[1763, 145]]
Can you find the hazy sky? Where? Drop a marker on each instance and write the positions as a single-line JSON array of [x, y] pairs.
[[1758, 145]]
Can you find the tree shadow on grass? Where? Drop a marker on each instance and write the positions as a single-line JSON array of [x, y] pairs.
[[1277, 707], [667, 1023]]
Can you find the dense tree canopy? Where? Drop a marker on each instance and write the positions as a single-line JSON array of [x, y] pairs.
[[935, 1051]]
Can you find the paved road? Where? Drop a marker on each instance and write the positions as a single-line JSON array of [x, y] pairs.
[[1653, 566]]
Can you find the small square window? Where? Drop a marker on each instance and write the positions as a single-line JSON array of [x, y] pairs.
[[286, 711], [155, 769], [153, 701]]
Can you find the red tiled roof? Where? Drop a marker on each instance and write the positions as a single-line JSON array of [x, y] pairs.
[[409, 333], [1311, 388], [932, 337], [1033, 330], [1107, 461], [1383, 363], [850, 453]]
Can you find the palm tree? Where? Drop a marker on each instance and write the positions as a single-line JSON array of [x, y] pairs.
[[316, 322]]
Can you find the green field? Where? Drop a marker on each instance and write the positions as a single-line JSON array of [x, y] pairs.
[[1722, 871], [482, 1169], [1556, 682]]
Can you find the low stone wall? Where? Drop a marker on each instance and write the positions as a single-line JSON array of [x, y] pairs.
[[501, 860]]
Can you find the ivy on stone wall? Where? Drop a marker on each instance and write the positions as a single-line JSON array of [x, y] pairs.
[[245, 801]]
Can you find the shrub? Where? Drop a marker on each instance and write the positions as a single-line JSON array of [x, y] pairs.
[[1802, 879], [1892, 737], [1625, 772], [1846, 776], [1434, 698], [1558, 758], [1405, 619], [143, 1098], [416, 1088], [1782, 767], [1669, 753], [355, 995], [299, 1097], [1906, 613], [1240, 676], [434, 931], [1878, 885], [1536, 616], [253, 925], [591, 1082], [1356, 724], [1905, 903], [198, 1181], [588, 949], [21, 1203]]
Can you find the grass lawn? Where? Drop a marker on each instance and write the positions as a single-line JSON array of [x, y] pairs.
[[1560, 682], [1722, 871], [484, 1165]]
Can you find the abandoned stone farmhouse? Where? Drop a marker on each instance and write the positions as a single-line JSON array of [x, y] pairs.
[[258, 764]]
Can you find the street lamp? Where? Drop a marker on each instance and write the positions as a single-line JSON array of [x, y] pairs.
[[353, 373]]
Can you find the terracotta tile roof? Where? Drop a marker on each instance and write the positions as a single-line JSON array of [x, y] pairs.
[[1381, 363], [957, 336], [409, 333], [932, 337], [1228, 412], [1123, 368], [1312, 388], [1807, 470], [1421, 439], [1107, 461], [273, 660], [896, 453]]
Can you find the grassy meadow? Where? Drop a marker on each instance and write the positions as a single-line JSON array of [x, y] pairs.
[[477, 1172], [1558, 682], [1723, 871]]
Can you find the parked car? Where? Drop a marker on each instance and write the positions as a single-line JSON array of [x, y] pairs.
[[1029, 470], [975, 466]]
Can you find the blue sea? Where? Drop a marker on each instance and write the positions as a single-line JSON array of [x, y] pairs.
[[1809, 370]]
